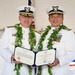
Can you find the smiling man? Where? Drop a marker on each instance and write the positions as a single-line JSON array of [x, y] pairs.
[[60, 37], [22, 35]]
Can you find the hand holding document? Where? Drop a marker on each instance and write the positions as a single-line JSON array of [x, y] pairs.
[[34, 58]]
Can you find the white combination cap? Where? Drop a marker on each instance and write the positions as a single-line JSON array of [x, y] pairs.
[[55, 10], [26, 10]]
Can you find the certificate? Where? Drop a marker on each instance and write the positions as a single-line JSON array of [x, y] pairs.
[[37, 58]]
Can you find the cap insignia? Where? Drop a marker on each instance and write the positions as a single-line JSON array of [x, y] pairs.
[[55, 8], [27, 9]]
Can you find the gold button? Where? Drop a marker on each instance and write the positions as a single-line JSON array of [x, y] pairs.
[[22, 46], [23, 38], [12, 43], [24, 31]]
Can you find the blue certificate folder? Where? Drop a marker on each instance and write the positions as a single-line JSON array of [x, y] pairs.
[[36, 58]]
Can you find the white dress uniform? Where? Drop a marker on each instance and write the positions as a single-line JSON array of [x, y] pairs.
[[7, 49], [65, 52]]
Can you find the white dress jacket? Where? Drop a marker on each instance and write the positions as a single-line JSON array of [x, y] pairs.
[[7, 49], [65, 52]]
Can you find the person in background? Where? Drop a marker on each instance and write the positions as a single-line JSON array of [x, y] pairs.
[[22, 35], [60, 37]]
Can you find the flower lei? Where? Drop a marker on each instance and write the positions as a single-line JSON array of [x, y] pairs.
[[49, 45], [18, 42]]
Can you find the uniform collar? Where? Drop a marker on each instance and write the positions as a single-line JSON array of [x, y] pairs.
[[24, 29], [53, 28]]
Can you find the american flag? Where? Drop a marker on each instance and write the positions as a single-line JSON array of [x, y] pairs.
[[29, 2]]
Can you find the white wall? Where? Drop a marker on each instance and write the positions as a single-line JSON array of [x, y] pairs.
[[8, 12], [9, 15], [67, 5]]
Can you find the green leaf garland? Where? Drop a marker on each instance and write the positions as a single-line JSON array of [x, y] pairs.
[[43, 36], [32, 42], [17, 68], [18, 42], [19, 35], [32, 38]]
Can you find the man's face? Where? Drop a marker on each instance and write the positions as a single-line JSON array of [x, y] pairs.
[[56, 19], [25, 21]]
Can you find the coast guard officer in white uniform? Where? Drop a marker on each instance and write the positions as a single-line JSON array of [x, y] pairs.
[[7, 42], [64, 43]]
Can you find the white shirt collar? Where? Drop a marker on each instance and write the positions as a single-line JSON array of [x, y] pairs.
[[24, 29]]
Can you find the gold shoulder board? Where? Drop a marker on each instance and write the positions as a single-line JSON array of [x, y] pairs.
[[10, 26], [38, 31], [68, 29]]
